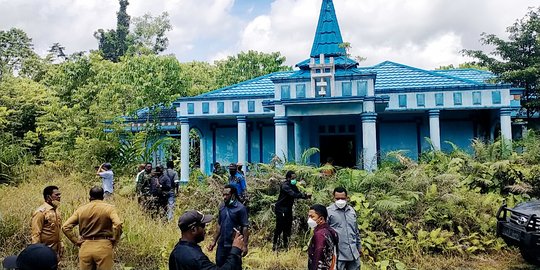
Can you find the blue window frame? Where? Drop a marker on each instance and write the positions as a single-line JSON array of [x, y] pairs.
[[285, 91], [346, 88], [458, 98], [300, 91], [251, 106], [420, 100], [220, 107], [439, 99], [402, 101], [235, 106], [205, 108], [477, 98], [496, 97], [362, 88], [190, 108]]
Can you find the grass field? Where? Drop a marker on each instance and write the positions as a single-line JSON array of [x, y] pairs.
[[146, 243]]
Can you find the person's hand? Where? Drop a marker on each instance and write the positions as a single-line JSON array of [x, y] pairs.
[[79, 242], [211, 246], [113, 241], [245, 251], [238, 241]]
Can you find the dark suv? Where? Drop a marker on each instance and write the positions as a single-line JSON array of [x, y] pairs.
[[520, 226]]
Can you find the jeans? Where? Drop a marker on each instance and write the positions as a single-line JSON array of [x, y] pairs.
[[348, 265], [221, 254], [170, 205]]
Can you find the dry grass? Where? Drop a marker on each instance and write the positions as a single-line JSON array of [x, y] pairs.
[[146, 242]]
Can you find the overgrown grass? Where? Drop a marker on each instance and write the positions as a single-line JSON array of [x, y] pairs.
[[434, 214]]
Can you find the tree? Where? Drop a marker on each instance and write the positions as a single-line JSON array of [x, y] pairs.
[[149, 34], [15, 48], [200, 77], [463, 66], [516, 60], [248, 65], [113, 44]]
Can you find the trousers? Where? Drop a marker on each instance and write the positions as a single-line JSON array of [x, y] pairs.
[[283, 226], [348, 265], [222, 253], [96, 255]]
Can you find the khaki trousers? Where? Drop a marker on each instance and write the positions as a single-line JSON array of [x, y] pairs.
[[96, 255]]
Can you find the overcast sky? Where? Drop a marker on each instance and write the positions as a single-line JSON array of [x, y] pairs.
[[421, 33]]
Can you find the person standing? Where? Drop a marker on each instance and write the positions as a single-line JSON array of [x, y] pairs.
[[140, 170], [188, 255], [143, 187], [342, 218], [322, 250], [107, 179], [283, 209], [100, 229], [47, 223], [161, 190], [175, 182], [232, 219], [238, 180]]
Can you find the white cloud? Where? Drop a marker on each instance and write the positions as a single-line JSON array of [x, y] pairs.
[[423, 33]]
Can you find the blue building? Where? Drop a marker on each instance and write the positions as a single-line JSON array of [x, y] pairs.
[[351, 113]]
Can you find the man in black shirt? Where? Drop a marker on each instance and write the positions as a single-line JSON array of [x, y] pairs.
[[188, 255], [283, 208]]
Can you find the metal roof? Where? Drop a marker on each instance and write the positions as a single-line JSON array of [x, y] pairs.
[[395, 76], [260, 86], [476, 75], [327, 36]]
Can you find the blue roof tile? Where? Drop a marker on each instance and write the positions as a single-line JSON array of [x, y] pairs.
[[260, 86], [476, 75], [394, 76], [327, 36]]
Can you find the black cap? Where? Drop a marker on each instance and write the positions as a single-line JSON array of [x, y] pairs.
[[191, 218], [233, 166], [33, 257]]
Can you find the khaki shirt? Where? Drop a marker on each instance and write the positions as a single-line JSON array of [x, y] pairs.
[[96, 220], [46, 225]]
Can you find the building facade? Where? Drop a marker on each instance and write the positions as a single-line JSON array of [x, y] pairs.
[[351, 113]]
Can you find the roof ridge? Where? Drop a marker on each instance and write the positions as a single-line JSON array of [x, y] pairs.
[[433, 73]]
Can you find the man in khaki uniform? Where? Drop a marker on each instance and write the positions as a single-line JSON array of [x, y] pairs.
[[99, 229], [46, 221]]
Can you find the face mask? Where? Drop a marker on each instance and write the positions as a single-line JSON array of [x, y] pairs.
[[311, 223], [293, 182], [341, 203]]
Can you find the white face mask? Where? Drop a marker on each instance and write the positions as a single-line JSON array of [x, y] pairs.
[[341, 203], [311, 223]]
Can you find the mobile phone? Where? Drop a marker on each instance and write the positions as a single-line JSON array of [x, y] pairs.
[[238, 231]]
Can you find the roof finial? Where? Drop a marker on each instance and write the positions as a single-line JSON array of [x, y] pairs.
[[327, 36]]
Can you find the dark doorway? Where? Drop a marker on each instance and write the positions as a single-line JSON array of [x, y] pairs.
[[342, 148]]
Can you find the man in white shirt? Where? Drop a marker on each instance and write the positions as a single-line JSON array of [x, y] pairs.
[[107, 179]]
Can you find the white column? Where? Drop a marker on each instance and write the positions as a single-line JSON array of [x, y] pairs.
[[298, 141], [506, 123], [434, 129], [242, 140], [369, 140], [281, 137], [184, 150], [202, 154]]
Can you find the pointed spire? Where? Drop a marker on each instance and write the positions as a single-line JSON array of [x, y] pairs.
[[328, 36]]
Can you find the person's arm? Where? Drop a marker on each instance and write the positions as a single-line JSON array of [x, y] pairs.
[[234, 260], [100, 169], [68, 226], [293, 193], [318, 241], [37, 227], [116, 225], [215, 238]]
